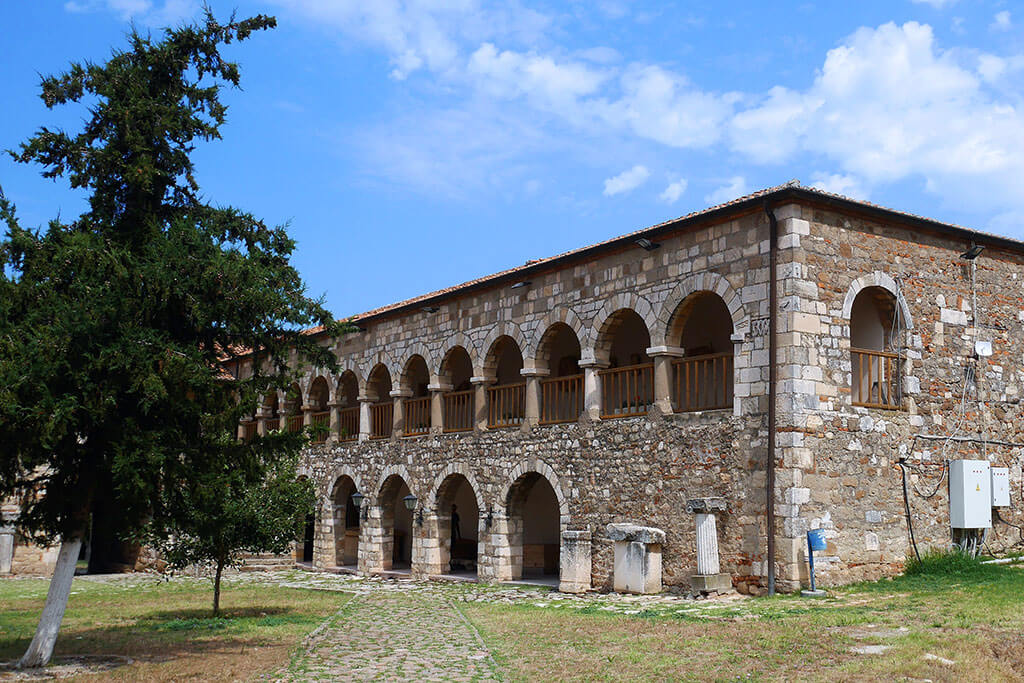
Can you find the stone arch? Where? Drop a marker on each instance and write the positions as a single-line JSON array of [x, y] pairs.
[[394, 525], [503, 329], [456, 468], [622, 300], [401, 471], [420, 349], [545, 470], [351, 378], [562, 314], [321, 390], [526, 522], [375, 374], [343, 532], [709, 282], [460, 339], [450, 362], [884, 281]]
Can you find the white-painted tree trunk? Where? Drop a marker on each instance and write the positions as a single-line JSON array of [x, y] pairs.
[[41, 648]]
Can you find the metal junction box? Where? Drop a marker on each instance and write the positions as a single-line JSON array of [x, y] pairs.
[[970, 494], [1000, 487]]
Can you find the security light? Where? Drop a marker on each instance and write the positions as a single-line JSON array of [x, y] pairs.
[[430, 309], [647, 245], [524, 283], [973, 252]]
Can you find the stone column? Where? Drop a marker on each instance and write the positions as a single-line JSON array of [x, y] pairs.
[[364, 419], [592, 387], [261, 420], [575, 570], [437, 392], [637, 557], [398, 396], [335, 408], [663, 356], [307, 414], [480, 400], [533, 376], [709, 578]]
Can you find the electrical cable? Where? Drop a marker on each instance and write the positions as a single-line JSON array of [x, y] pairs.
[[906, 507]]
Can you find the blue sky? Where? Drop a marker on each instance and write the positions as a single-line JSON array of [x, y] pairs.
[[413, 145]]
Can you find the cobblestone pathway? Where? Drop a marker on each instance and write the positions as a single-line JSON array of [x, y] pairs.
[[378, 635]]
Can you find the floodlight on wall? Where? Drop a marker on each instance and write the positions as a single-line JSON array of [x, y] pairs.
[[520, 285], [972, 253], [430, 309], [410, 505], [647, 245]]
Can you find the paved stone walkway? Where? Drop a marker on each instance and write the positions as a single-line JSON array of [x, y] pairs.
[[384, 635]]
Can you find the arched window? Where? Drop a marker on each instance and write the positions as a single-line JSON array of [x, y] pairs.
[[874, 362], [272, 411], [456, 371], [627, 384], [416, 404], [506, 400], [378, 390], [561, 392], [320, 417], [348, 407], [703, 378]]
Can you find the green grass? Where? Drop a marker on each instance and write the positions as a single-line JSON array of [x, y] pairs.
[[168, 628]]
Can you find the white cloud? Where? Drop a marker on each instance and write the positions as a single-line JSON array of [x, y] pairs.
[[846, 185], [673, 191], [627, 181], [735, 187], [168, 13], [1001, 21], [937, 4]]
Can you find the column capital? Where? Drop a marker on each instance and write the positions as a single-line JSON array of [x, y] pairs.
[[586, 363], [363, 398], [673, 351], [439, 387], [534, 372], [401, 393], [482, 380]]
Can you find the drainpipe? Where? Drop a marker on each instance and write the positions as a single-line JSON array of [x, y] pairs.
[[773, 350]]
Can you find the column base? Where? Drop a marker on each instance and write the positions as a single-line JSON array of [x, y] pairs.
[[711, 583]]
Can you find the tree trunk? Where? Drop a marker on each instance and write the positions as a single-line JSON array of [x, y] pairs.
[[216, 587], [41, 648]]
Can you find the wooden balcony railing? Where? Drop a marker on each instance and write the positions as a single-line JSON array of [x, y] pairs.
[[382, 418], [627, 391], [506, 405], [348, 424], [249, 431], [875, 379], [458, 411], [272, 424], [321, 422], [561, 399], [416, 415], [702, 382], [295, 423]]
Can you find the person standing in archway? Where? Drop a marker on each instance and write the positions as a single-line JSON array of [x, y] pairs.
[[456, 531]]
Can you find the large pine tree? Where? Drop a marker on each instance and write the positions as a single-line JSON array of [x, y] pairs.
[[116, 327]]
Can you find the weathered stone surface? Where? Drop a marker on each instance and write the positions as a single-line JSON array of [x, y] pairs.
[[635, 532]]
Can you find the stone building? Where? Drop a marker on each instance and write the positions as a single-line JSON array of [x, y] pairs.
[[631, 382]]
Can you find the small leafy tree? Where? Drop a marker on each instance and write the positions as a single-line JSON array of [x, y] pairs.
[[116, 328], [226, 512]]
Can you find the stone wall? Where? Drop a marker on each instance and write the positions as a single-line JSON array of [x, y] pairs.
[[840, 463]]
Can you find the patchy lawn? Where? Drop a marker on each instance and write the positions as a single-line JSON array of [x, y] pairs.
[[166, 629], [944, 628]]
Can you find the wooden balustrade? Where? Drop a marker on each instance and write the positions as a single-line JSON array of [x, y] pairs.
[[506, 405], [458, 411], [561, 399], [875, 379], [272, 424], [249, 430], [382, 418], [295, 423], [416, 416], [321, 422], [627, 391], [348, 424], [702, 382]]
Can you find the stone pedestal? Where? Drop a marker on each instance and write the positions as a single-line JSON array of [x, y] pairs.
[[575, 562], [6, 549], [708, 578], [637, 557]]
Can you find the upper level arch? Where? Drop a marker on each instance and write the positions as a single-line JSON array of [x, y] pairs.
[[882, 281], [607, 329], [662, 331]]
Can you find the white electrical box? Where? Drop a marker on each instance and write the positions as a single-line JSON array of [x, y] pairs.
[[970, 494], [1000, 487]]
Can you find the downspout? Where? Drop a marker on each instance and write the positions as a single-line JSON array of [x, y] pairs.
[[773, 350]]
